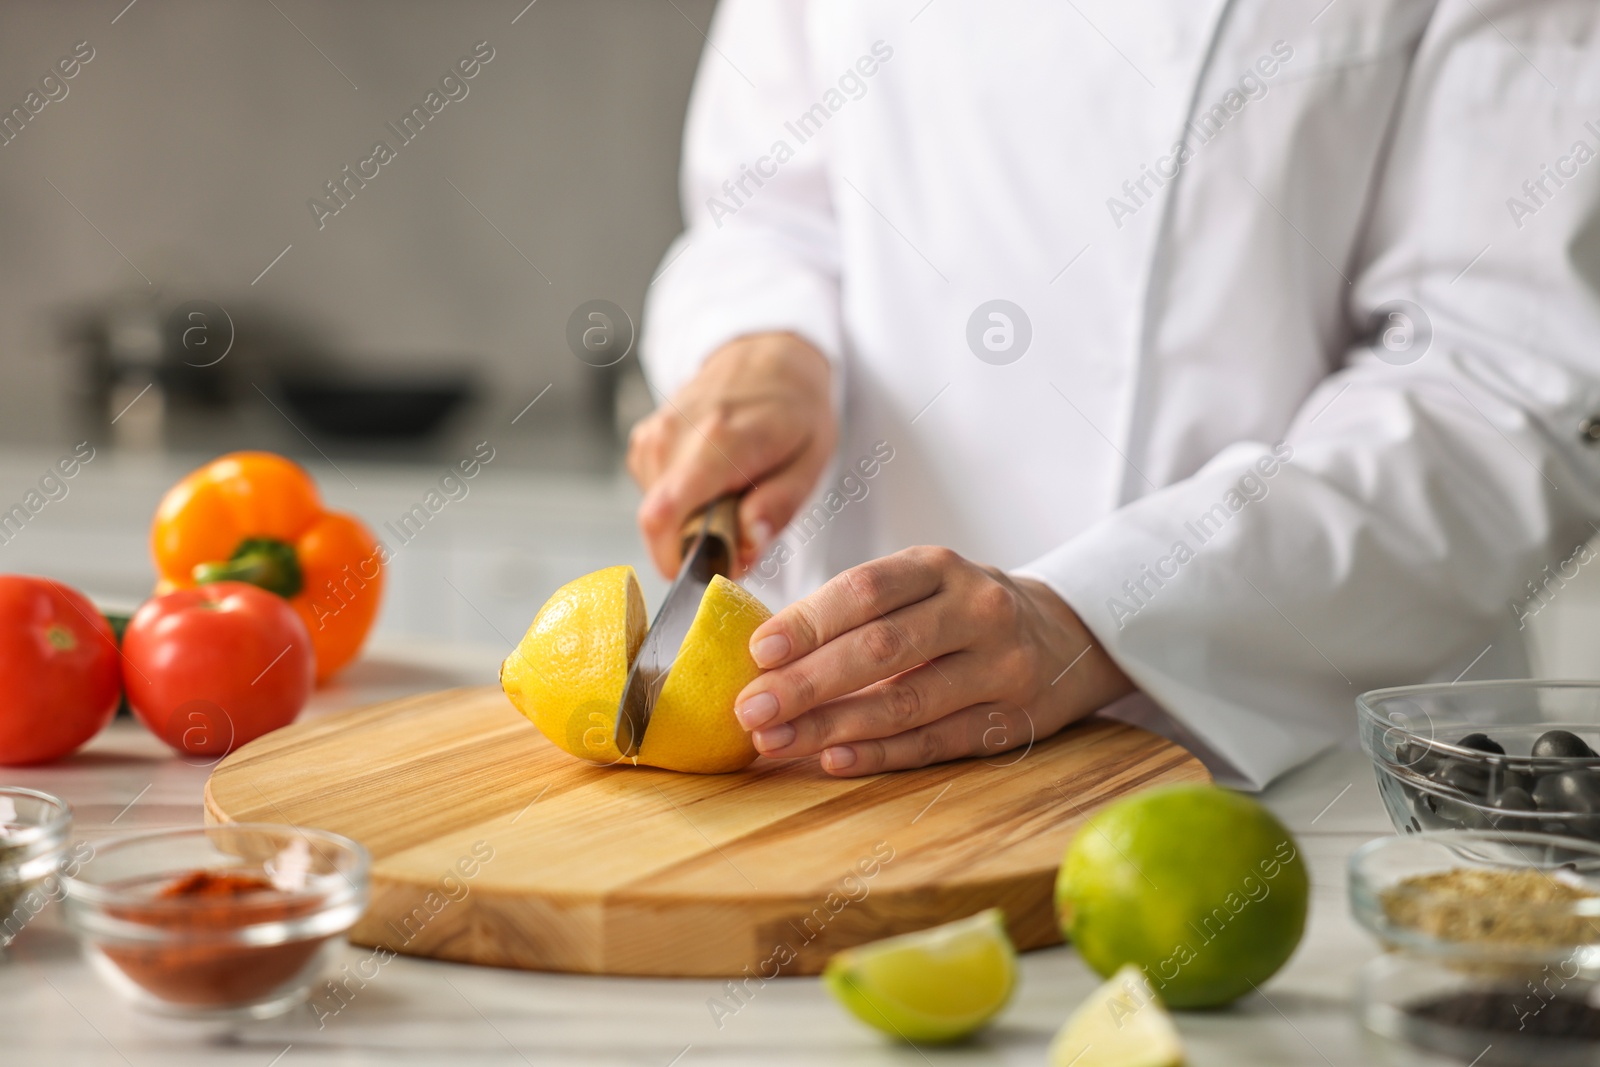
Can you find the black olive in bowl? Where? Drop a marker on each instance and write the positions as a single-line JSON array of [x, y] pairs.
[[1576, 792], [1561, 744], [1481, 743]]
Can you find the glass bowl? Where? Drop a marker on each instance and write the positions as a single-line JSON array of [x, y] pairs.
[[34, 828], [1506, 975], [1432, 749], [231, 921]]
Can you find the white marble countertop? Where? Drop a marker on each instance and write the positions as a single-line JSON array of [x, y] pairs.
[[54, 1010]]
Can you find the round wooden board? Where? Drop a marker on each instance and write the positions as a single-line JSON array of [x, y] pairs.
[[492, 846]]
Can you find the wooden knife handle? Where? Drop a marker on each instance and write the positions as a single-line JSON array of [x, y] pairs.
[[721, 520]]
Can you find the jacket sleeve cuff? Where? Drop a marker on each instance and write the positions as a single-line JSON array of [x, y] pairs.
[[1168, 641]]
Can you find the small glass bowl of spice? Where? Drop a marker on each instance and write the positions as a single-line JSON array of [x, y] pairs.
[[34, 828], [230, 921], [1493, 944]]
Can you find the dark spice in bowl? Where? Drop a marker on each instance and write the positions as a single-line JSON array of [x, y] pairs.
[[1512, 1011]]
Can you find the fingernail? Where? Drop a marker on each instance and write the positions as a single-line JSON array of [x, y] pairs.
[[838, 758], [773, 737], [757, 710], [761, 535], [770, 650]]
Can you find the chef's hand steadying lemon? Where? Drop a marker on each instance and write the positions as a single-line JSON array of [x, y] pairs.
[[920, 657], [756, 420]]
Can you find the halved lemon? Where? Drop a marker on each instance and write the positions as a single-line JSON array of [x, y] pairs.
[[568, 671]]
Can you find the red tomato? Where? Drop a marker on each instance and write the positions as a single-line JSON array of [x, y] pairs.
[[210, 668], [58, 664]]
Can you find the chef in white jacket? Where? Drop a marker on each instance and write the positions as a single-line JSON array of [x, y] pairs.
[[1211, 360]]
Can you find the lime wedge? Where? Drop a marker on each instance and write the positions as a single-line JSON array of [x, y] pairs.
[[1121, 1024], [931, 986]]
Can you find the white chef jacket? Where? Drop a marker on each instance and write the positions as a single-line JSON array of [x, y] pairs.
[[1309, 296]]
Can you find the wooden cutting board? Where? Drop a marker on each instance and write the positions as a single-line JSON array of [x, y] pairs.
[[490, 845]]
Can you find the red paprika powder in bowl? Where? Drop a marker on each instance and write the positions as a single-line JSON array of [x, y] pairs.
[[232, 921]]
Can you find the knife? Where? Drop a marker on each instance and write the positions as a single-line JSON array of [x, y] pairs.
[[709, 539]]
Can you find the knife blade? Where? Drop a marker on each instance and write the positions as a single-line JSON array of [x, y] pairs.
[[709, 539]]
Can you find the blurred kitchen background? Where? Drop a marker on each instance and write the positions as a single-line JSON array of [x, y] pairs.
[[155, 217], [168, 294]]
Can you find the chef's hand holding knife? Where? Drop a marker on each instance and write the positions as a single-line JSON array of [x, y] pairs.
[[907, 660]]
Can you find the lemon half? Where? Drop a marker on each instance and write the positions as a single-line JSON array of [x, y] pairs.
[[568, 672]]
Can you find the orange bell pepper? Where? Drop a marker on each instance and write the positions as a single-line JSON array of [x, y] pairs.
[[257, 517]]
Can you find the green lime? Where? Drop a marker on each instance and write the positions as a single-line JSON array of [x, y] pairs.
[[1202, 888], [1120, 1024], [931, 986]]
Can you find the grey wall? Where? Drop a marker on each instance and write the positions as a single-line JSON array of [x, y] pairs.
[[197, 133]]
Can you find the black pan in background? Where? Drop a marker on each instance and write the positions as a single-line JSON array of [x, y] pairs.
[[359, 408]]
